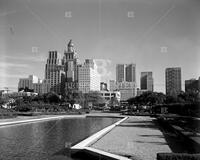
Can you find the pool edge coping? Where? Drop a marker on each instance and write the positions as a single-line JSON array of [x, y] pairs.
[[85, 144], [18, 122]]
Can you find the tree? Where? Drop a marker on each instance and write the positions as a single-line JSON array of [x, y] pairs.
[[52, 97], [114, 102], [94, 97], [148, 98]]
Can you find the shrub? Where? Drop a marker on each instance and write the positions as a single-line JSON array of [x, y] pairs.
[[177, 156]]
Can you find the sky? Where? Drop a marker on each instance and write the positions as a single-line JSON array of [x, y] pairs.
[[153, 34]]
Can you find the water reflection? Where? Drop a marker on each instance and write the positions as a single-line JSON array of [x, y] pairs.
[[46, 140]]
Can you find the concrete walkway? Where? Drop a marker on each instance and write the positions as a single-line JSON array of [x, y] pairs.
[[137, 138]]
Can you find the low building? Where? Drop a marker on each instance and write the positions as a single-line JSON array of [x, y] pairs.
[[141, 91], [103, 86], [34, 83], [108, 95], [127, 89], [17, 94], [28, 82]]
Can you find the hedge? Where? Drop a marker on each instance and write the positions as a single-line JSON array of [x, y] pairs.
[[177, 156]]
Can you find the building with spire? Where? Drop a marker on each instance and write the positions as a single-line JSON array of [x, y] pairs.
[[71, 67]]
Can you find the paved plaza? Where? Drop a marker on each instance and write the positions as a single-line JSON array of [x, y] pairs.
[[137, 138]]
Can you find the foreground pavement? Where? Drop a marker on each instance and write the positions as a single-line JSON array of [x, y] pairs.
[[136, 138]]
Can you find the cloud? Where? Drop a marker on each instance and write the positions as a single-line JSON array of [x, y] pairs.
[[6, 75], [27, 58], [9, 64]]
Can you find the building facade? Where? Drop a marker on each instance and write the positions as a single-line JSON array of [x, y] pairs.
[[54, 72], [88, 77], [71, 67], [131, 73], [140, 91], [126, 72], [120, 72], [43, 86], [108, 95], [34, 83], [192, 85], [146, 81], [28, 82], [173, 81], [127, 89], [103, 86]]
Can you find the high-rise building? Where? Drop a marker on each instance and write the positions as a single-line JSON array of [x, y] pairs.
[[120, 72], [192, 85], [126, 72], [173, 81], [88, 77], [54, 71], [125, 81], [130, 73], [146, 81], [71, 67]]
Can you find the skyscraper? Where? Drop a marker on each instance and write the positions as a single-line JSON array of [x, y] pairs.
[[130, 73], [89, 78], [71, 67], [173, 80], [120, 72], [54, 72], [125, 72], [125, 80], [146, 81]]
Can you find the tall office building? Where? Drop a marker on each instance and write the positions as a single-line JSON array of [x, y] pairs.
[[71, 67], [89, 78], [54, 72], [120, 72], [146, 81], [173, 81], [126, 72], [125, 80], [130, 73]]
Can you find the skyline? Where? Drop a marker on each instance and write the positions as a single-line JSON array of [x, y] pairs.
[[153, 34]]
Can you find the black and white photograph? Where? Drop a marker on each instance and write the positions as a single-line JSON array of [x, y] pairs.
[[99, 79]]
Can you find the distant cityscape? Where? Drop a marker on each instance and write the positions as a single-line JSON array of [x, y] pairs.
[[65, 73]]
